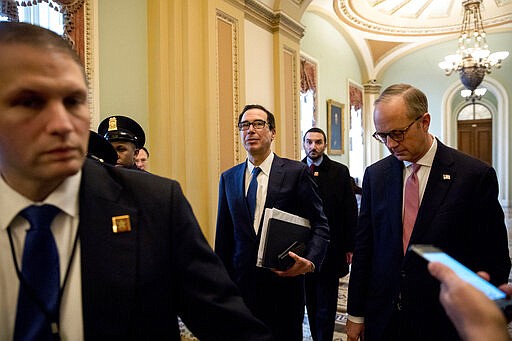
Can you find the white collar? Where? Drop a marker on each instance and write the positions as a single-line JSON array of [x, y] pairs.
[[65, 197], [265, 165]]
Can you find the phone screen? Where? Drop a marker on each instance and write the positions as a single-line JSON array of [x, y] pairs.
[[435, 255]]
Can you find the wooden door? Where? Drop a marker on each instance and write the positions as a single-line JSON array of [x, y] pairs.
[[474, 137]]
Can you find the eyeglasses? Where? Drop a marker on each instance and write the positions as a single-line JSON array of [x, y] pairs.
[[397, 135], [256, 124]]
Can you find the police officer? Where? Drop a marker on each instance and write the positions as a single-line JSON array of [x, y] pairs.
[[126, 136]]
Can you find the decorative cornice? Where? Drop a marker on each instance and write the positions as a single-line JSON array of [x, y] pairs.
[[273, 20]]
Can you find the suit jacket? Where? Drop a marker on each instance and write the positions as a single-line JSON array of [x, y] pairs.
[[291, 188], [459, 213], [135, 283], [340, 207]]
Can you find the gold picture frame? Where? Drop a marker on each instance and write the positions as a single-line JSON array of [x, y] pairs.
[[335, 127]]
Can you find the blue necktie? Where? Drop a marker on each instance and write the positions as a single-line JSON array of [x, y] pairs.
[[39, 290], [251, 192]]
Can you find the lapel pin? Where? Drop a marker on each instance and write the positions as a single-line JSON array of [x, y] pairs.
[[315, 174], [121, 223], [446, 177]]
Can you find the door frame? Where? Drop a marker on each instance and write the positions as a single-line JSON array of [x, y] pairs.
[[500, 131]]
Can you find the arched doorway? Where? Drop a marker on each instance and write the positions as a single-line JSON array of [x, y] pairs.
[[500, 160], [474, 131]]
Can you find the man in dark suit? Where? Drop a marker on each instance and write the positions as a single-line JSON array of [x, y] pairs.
[[275, 297], [391, 292], [340, 207], [129, 262]]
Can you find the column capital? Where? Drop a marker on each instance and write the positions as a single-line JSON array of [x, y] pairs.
[[371, 87]]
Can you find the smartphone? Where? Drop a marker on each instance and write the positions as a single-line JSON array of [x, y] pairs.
[[434, 254]]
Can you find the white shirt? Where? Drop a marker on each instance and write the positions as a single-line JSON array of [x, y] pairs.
[[64, 228], [261, 194]]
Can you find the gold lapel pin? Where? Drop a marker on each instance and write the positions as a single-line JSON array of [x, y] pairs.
[[121, 223], [315, 174], [446, 177]]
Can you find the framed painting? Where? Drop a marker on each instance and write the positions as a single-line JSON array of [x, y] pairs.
[[335, 121]]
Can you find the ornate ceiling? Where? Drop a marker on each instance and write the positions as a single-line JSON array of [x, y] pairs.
[[382, 30], [416, 17]]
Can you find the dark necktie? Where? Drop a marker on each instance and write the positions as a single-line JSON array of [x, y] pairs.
[[411, 205], [312, 168], [252, 191], [39, 288]]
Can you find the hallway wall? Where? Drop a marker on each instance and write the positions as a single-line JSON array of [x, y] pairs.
[[337, 64], [157, 63]]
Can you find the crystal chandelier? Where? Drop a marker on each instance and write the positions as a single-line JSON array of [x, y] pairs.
[[473, 59]]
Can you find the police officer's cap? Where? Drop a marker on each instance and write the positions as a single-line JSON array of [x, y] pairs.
[[122, 128], [100, 149]]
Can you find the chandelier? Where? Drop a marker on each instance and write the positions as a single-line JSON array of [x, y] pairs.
[[473, 59]]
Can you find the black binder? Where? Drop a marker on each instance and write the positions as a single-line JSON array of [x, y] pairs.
[[282, 236]]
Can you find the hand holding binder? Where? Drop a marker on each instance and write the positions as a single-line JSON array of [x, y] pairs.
[[281, 232], [284, 259]]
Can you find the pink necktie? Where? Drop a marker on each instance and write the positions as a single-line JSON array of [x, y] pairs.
[[411, 204]]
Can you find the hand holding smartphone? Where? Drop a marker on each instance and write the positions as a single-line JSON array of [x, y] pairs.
[[434, 254]]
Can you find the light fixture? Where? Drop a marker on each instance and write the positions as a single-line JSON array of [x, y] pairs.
[[473, 59], [473, 95]]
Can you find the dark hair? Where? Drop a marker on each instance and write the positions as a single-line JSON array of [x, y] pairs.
[[415, 99], [314, 130], [15, 33], [271, 121]]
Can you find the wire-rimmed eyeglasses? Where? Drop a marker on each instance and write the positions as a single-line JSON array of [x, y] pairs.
[[256, 124], [396, 135]]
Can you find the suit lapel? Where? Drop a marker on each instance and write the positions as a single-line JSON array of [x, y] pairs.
[[439, 181], [237, 196], [275, 181], [393, 182]]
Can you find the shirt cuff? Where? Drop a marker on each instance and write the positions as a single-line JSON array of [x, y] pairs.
[[355, 319]]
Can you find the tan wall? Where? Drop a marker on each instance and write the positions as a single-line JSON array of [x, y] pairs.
[[184, 69], [122, 59]]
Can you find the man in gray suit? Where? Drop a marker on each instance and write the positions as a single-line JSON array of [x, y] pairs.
[[129, 262], [454, 198]]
